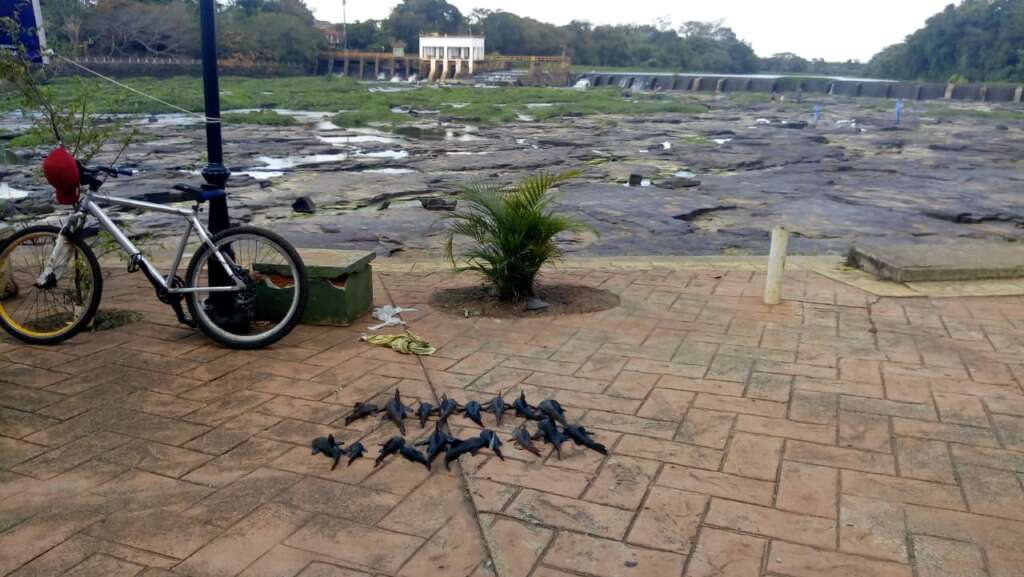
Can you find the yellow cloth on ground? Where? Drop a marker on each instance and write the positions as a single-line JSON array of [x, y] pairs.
[[405, 343]]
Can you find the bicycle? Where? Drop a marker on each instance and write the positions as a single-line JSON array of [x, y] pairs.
[[245, 287]]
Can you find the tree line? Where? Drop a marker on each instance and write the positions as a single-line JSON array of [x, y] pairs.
[[977, 40], [264, 30]]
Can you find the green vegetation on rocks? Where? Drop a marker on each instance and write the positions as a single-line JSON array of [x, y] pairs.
[[360, 104]]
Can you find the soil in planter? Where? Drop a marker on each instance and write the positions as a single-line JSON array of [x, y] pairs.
[[562, 299]]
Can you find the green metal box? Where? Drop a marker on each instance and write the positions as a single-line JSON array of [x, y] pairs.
[[340, 287]]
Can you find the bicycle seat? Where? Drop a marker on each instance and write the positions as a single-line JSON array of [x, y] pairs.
[[186, 193]]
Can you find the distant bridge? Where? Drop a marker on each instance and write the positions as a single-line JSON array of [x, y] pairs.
[[369, 65]]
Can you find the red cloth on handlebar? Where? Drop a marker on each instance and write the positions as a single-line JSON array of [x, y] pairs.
[[61, 170]]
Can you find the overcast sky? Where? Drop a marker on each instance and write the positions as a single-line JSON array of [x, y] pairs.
[[830, 29]]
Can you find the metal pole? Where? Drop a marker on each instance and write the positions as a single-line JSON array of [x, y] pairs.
[[344, 29], [214, 172]]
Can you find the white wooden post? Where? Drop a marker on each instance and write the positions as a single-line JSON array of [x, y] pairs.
[[776, 265]]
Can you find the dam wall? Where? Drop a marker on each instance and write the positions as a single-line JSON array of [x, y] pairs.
[[811, 85]]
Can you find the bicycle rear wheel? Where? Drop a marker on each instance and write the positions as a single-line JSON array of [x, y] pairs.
[[274, 298], [57, 309]]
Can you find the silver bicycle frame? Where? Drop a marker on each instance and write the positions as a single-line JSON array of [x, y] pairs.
[[88, 204]]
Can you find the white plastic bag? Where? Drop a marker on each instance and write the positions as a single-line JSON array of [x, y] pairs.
[[388, 314]]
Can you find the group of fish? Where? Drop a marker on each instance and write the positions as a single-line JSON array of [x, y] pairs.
[[549, 415]]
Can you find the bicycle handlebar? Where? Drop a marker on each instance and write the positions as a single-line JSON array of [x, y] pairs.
[[114, 170]]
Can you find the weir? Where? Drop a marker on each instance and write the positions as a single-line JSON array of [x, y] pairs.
[[809, 84]]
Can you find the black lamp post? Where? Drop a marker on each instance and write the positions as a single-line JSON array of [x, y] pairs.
[[215, 173]]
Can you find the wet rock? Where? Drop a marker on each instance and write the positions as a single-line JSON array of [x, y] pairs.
[[435, 203], [940, 146], [384, 205], [636, 179], [699, 212], [1002, 127], [304, 205], [817, 139], [679, 182], [794, 124]]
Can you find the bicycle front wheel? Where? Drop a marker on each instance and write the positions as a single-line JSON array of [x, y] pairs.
[[270, 305], [46, 311]]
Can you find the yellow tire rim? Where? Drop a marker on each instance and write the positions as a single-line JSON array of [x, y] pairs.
[[51, 304]]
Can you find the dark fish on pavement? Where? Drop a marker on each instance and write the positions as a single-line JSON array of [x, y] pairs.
[[391, 447], [415, 455], [362, 410], [471, 446], [581, 436], [522, 438], [355, 451], [552, 409], [524, 409], [446, 408], [329, 448], [423, 412], [472, 412], [548, 430], [437, 442], [498, 407], [492, 442], [396, 412]]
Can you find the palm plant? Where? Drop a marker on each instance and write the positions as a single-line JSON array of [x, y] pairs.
[[513, 231]]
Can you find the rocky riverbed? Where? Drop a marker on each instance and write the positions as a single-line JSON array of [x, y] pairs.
[[712, 183]]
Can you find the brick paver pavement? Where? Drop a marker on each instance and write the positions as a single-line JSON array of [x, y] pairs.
[[837, 434]]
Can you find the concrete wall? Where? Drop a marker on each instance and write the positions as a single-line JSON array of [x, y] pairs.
[[837, 87]]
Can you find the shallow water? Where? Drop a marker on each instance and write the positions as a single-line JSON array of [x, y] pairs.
[[389, 170], [390, 154], [342, 140], [8, 192]]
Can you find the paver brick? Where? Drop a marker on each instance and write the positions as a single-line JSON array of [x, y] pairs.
[[944, 432], [717, 484], [156, 530], [753, 456], [801, 561], [668, 520], [872, 528], [992, 492], [453, 551], [604, 558], [924, 459], [571, 514], [808, 489], [520, 545], [785, 428], [901, 490], [670, 452], [706, 428], [726, 554], [840, 457], [944, 558], [770, 522], [622, 482], [244, 542]]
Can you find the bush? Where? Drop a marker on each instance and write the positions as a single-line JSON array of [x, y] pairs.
[[513, 232]]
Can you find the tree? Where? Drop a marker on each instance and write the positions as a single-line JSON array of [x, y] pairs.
[[63, 20], [414, 17]]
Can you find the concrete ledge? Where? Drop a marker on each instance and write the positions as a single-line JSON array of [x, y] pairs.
[[945, 262]]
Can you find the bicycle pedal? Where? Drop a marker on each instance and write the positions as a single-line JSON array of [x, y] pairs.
[[134, 263]]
